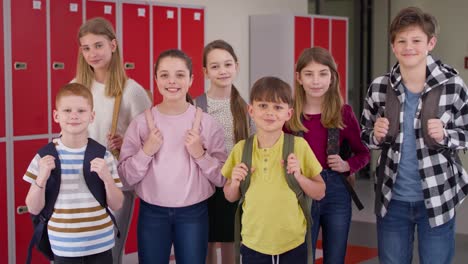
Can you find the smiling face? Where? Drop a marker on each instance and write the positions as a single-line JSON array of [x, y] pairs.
[[411, 46], [173, 78], [315, 79], [221, 68], [73, 114], [269, 116], [97, 50]]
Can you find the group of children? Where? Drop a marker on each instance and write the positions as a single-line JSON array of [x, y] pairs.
[[190, 164]]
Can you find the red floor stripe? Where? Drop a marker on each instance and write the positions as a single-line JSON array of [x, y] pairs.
[[354, 254]]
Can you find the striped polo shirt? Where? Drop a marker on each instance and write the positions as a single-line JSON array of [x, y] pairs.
[[79, 225]]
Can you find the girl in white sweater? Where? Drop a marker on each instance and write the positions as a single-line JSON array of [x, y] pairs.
[[100, 69]]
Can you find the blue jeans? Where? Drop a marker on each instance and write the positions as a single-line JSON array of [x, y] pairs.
[[296, 255], [100, 258], [395, 233], [333, 214], [160, 227]]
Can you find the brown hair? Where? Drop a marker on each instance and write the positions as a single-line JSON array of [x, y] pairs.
[[175, 53], [85, 73], [237, 103], [332, 102], [75, 89], [413, 16], [271, 89]]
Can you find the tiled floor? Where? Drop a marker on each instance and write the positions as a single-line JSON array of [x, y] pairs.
[[363, 232]]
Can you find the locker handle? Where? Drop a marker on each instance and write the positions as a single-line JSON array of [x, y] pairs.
[[20, 66], [23, 209], [129, 65], [58, 65]]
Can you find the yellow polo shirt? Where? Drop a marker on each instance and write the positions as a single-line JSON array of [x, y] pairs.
[[272, 219]]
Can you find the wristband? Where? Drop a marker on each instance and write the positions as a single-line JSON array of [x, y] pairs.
[[38, 185]]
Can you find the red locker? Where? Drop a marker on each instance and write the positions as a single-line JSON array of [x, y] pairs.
[[2, 81], [24, 152], [66, 16], [339, 46], [165, 35], [3, 204], [136, 42], [322, 32], [29, 73], [302, 35], [101, 9], [193, 39]]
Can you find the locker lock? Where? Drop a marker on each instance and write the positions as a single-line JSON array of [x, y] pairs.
[[129, 65], [20, 65], [23, 209], [58, 65]]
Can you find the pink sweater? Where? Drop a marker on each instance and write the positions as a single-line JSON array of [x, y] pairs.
[[172, 178]]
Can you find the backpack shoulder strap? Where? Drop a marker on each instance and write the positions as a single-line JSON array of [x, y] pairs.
[[429, 110], [392, 113], [202, 102], [149, 119], [304, 201], [244, 185]]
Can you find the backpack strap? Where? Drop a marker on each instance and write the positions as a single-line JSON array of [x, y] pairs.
[[115, 119], [429, 110], [333, 147], [40, 237], [304, 201], [244, 185], [201, 101], [392, 113]]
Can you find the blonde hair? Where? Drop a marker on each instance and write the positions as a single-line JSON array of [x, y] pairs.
[[237, 104], [332, 103], [75, 89], [116, 78]]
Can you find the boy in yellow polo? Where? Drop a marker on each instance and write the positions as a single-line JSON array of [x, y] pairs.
[[273, 224]]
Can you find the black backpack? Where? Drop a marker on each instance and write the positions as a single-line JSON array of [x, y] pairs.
[[40, 237]]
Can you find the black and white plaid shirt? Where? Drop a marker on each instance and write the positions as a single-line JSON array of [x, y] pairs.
[[444, 183]]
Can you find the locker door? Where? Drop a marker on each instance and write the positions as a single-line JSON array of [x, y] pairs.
[[24, 152], [322, 32], [165, 35], [3, 204], [29, 58], [136, 44], [302, 35], [193, 39], [2, 80], [101, 9], [339, 45], [66, 16]]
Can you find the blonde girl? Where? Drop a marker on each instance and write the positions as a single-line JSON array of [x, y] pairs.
[[100, 69]]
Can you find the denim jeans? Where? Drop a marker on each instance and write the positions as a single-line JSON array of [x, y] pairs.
[[160, 227], [333, 215], [100, 258], [395, 233], [296, 255]]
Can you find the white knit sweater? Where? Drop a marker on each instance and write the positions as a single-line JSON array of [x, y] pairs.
[[134, 101]]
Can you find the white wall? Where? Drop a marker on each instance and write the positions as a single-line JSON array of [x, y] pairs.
[[229, 20]]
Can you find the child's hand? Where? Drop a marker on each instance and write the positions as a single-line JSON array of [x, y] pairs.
[[193, 143], [293, 165], [435, 129], [239, 172], [153, 142], [114, 142], [336, 163], [46, 165], [381, 127], [99, 166]]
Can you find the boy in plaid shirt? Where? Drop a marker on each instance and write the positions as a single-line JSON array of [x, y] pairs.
[[417, 186]]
